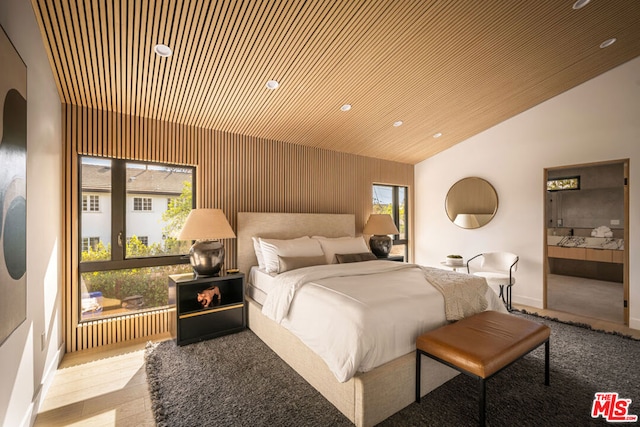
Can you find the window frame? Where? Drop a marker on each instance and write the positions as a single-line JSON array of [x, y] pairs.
[[119, 260], [395, 209]]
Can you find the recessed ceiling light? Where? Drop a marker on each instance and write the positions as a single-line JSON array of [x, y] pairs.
[[398, 123], [272, 85], [579, 4], [162, 50], [437, 135], [608, 42], [346, 107]]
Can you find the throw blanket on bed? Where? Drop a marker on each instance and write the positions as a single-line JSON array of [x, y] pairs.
[[464, 295]]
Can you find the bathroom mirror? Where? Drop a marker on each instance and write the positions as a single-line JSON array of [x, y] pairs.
[[471, 202]]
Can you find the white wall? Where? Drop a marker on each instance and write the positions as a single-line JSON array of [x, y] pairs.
[[596, 121], [25, 368]]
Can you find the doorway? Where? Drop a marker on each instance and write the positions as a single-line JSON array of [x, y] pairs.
[[586, 240]]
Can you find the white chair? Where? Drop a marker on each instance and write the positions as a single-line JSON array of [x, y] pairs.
[[498, 269]]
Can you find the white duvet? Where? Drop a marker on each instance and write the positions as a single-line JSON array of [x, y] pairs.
[[359, 316]]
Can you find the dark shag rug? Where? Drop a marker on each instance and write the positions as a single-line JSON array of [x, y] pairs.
[[237, 380]]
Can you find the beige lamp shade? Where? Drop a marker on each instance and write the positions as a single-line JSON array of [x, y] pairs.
[[206, 224], [466, 221], [380, 224]]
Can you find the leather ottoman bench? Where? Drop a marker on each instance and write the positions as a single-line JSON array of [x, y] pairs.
[[482, 345]]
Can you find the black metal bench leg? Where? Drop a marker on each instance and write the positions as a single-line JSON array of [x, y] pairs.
[[546, 362], [482, 408], [418, 377]]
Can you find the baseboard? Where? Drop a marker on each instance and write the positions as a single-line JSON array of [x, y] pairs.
[[40, 394], [531, 302], [634, 323]]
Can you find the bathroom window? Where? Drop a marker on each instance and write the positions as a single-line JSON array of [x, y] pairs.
[[562, 184]]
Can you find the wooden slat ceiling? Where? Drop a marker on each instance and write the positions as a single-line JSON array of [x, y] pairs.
[[455, 67]]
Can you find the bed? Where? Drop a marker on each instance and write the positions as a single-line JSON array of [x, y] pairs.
[[365, 398]]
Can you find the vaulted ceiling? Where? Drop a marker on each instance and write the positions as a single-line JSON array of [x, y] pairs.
[[451, 67]]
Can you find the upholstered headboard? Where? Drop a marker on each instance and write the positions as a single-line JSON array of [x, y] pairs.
[[286, 226]]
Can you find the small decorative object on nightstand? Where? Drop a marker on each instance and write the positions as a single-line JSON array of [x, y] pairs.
[[379, 226], [455, 263], [206, 307], [455, 260]]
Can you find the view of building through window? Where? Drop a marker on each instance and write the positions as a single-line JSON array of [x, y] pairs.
[[128, 242], [90, 202], [392, 200], [90, 242], [142, 204]]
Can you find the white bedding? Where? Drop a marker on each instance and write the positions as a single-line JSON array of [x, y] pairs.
[[262, 280], [359, 316]]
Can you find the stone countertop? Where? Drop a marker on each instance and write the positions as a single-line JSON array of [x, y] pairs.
[[586, 242]]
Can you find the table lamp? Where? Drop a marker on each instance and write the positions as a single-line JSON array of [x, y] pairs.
[[206, 227], [379, 226]]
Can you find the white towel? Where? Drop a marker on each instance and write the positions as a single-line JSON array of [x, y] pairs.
[[602, 231]]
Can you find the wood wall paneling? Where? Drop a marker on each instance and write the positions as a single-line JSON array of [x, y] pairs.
[[235, 173]]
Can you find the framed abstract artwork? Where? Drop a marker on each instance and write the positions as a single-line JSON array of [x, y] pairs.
[[13, 188]]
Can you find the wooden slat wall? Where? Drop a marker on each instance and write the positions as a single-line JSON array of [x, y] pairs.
[[235, 173], [117, 329]]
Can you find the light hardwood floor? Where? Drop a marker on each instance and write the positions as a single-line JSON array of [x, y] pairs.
[[100, 387], [108, 387], [586, 297]]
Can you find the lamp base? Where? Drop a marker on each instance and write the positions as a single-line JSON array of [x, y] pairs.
[[380, 245], [206, 257]]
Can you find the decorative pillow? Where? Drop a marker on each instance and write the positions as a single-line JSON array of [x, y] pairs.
[[346, 258], [302, 246], [294, 262], [258, 250], [341, 245]]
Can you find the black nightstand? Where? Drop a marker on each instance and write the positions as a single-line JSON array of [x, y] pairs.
[[193, 322], [398, 258]]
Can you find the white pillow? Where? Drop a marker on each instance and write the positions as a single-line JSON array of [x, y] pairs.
[[258, 250], [302, 246], [341, 245]]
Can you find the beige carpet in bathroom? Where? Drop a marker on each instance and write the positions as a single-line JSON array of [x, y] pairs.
[[586, 297]]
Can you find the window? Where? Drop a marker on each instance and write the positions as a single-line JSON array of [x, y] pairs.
[[392, 200], [143, 240], [90, 203], [142, 204], [90, 242], [119, 274], [559, 184]]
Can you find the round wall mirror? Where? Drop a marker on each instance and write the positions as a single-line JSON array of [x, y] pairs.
[[471, 203]]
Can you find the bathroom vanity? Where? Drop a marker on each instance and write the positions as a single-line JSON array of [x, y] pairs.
[[600, 258]]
